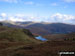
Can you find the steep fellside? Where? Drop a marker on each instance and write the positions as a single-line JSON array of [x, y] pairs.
[[54, 28]]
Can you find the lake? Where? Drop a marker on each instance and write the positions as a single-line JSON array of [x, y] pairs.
[[41, 38]]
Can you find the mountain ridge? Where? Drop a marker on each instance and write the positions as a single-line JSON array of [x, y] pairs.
[[43, 28]]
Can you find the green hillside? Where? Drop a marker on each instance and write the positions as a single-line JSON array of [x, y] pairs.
[[16, 35]]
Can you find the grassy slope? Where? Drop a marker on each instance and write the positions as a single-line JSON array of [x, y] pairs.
[[12, 38], [15, 35]]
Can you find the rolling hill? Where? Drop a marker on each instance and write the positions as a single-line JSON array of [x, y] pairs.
[[43, 28], [8, 34]]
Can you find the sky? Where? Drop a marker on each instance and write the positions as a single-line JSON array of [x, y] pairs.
[[62, 11]]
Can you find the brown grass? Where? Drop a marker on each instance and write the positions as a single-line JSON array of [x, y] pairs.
[[50, 48]]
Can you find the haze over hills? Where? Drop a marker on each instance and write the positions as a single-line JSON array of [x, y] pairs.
[[42, 28]]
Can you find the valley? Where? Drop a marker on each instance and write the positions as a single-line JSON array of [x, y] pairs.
[[21, 42], [37, 27]]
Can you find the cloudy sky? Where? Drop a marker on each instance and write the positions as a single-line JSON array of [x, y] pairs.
[[38, 10]]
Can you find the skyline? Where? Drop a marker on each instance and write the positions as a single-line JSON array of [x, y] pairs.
[[38, 10]]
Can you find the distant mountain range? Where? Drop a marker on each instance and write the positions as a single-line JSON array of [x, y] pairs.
[[42, 28]]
